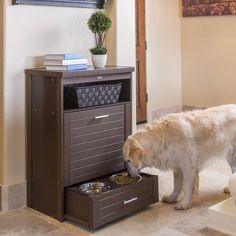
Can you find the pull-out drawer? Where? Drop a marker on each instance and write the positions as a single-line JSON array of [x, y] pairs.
[[96, 210], [93, 142]]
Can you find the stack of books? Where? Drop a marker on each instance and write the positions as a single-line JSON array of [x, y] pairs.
[[69, 61]]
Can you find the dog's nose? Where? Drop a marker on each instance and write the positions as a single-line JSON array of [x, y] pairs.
[[132, 171], [139, 170], [127, 162]]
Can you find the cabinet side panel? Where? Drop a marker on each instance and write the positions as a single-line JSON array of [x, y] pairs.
[[28, 112], [78, 206], [44, 145], [155, 189]]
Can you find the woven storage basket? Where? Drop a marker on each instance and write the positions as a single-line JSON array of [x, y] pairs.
[[96, 95]]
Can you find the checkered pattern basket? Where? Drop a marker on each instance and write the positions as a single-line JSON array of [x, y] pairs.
[[91, 95], [96, 95]]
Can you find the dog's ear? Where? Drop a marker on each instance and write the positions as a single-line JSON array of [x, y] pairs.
[[136, 152]]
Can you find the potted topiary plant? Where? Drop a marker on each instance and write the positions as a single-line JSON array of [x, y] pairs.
[[99, 23]]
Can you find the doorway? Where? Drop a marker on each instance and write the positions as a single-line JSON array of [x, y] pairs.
[[141, 46]]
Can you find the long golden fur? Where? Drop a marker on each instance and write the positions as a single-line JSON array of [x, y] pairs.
[[184, 143]]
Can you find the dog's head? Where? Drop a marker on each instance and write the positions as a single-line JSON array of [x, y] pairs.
[[133, 155]]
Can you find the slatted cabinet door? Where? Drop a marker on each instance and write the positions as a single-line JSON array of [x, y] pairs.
[[93, 143]]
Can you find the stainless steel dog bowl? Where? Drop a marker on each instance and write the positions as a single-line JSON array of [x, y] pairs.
[[123, 178], [94, 188]]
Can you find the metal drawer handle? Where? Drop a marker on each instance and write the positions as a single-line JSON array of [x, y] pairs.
[[99, 77], [100, 117], [130, 200]]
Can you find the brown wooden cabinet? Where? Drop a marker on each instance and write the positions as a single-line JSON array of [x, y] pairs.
[[67, 147]]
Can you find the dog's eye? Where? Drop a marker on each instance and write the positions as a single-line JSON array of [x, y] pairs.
[[128, 161]]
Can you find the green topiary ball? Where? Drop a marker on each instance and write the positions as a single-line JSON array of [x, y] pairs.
[[99, 22]]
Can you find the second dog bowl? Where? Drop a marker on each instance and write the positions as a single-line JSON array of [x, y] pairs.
[[94, 188], [124, 178]]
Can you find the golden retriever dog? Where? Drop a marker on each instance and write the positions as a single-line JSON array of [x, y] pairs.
[[184, 143]]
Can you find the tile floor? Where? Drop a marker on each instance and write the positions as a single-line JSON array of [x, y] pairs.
[[157, 220]]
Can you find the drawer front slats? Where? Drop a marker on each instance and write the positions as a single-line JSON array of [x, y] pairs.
[[96, 166], [134, 198], [95, 174], [96, 151], [118, 202], [75, 148], [96, 120], [96, 112], [120, 209], [94, 144], [99, 159], [96, 135], [97, 128], [106, 202]]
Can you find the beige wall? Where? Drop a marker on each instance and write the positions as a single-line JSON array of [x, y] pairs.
[[209, 65], [125, 43], [121, 40], [111, 35], [1, 94], [163, 35], [32, 31]]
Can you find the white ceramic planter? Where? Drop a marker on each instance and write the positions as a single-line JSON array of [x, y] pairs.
[[99, 61]]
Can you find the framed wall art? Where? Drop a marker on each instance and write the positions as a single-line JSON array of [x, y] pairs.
[[63, 3], [208, 7]]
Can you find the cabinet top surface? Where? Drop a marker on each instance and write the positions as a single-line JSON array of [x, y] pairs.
[[90, 71]]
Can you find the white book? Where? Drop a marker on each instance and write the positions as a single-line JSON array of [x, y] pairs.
[[65, 62], [68, 67], [66, 56]]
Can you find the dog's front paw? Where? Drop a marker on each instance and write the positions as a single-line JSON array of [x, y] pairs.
[[226, 190], [182, 206], [168, 199]]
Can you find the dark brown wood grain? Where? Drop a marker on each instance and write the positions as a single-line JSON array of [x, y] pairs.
[[111, 205], [44, 155], [61, 144], [141, 90], [95, 145]]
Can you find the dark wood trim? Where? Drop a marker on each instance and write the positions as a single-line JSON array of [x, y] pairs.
[[109, 70], [67, 154], [63, 3], [28, 161], [60, 149], [141, 88], [155, 188]]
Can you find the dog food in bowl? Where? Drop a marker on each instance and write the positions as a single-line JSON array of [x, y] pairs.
[[94, 188], [124, 178]]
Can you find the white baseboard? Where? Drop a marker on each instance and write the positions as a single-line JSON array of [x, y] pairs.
[[190, 108], [157, 113], [12, 196]]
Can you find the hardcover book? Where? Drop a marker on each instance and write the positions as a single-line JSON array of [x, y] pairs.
[[68, 67], [66, 56], [65, 62]]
